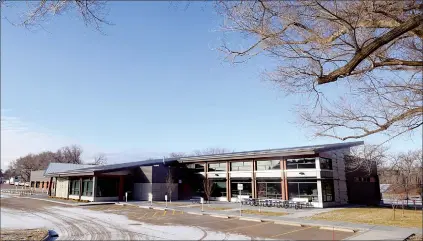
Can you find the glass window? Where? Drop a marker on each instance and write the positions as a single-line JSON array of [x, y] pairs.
[[325, 163], [268, 165], [303, 189], [107, 187], [327, 191], [242, 166], [269, 189], [87, 187], [217, 167], [198, 167], [219, 188], [74, 187], [247, 188], [305, 163]]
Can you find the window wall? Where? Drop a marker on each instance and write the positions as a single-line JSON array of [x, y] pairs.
[[247, 188], [268, 165], [242, 166], [74, 187], [219, 188], [269, 189], [197, 167], [303, 189], [217, 167], [327, 191], [325, 163], [87, 187], [303, 163], [107, 187]]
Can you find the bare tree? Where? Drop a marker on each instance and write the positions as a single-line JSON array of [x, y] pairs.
[[366, 158], [170, 184], [70, 154], [208, 186], [372, 50], [92, 12], [406, 166], [211, 151], [177, 154], [100, 159]]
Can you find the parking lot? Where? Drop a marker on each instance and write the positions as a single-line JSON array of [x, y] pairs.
[[225, 225]]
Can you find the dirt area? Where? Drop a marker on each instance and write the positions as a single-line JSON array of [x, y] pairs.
[[24, 234], [118, 222], [415, 237], [248, 229], [376, 216]]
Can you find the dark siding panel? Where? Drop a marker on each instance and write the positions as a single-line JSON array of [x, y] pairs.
[[143, 175], [159, 174]]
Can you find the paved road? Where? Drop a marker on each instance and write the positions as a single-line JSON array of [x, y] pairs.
[[115, 222]]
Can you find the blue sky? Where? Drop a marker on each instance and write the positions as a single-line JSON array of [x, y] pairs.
[[154, 84]]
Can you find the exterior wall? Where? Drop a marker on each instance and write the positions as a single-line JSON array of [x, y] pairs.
[[159, 190], [364, 192], [339, 177], [62, 187]]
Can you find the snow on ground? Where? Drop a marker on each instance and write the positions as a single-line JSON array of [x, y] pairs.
[[78, 223]]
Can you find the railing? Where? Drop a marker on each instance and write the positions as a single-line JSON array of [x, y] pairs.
[[276, 203]]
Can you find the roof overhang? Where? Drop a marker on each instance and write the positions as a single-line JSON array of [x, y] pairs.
[[247, 155], [284, 152]]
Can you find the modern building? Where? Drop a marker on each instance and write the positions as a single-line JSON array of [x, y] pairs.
[[39, 181], [315, 173]]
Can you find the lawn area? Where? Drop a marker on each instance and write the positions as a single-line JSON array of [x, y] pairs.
[[376, 216], [24, 234], [264, 213]]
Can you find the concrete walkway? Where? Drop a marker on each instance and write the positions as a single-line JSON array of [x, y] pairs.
[[363, 231]]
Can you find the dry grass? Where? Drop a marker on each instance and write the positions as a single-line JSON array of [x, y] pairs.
[[375, 216], [415, 237], [264, 213], [216, 208], [23, 234]]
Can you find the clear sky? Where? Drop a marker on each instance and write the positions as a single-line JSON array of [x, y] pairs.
[[154, 84]]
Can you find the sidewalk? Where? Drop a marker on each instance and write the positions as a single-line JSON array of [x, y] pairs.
[[364, 231], [67, 202]]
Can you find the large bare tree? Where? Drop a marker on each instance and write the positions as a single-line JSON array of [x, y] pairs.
[[92, 12], [358, 64], [366, 158]]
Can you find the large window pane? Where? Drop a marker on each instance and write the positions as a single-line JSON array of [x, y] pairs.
[[325, 163], [304, 163], [242, 166], [247, 188], [217, 167], [327, 191], [268, 165], [87, 187], [219, 188], [269, 190], [107, 187], [74, 187], [303, 189]]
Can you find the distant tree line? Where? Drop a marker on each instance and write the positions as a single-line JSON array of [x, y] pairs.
[[33, 162]]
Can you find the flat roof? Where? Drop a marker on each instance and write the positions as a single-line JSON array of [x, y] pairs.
[[290, 151], [115, 167]]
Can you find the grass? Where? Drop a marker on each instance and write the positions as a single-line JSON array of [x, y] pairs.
[[265, 213], [23, 234], [375, 216]]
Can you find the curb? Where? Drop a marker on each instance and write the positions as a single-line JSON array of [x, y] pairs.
[[288, 223], [251, 219], [218, 216], [338, 229], [195, 213], [52, 201]]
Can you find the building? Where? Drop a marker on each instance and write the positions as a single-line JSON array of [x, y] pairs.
[[38, 180], [316, 173]]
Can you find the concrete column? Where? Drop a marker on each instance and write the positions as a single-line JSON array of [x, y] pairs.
[[80, 188], [121, 187], [49, 186], [254, 182], [94, 187], [228, 182]]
